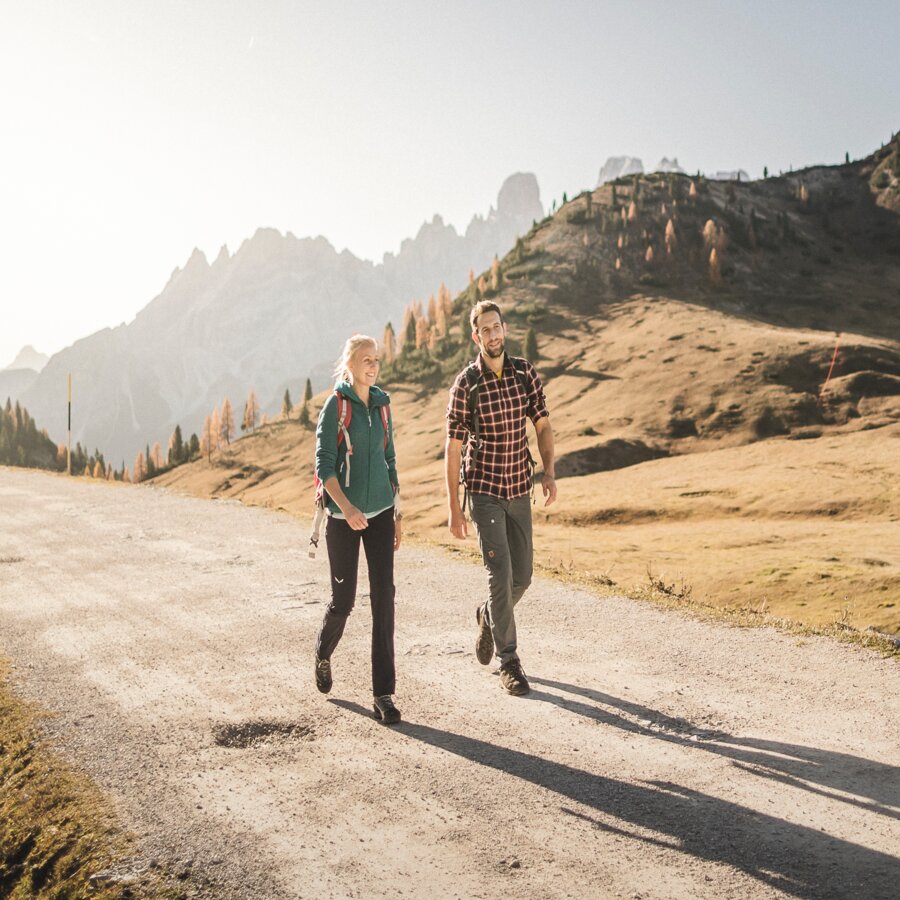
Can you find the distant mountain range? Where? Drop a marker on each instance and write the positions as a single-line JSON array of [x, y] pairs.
[[620, 166], [264, 318]]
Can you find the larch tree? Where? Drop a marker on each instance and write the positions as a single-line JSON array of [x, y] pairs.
[[692, 191], [227, 421], [251, 412], [440, 322], [709, 234], [632, 211], [421, 333], [496, 275], [715, 271], [648, 255], [140, 467], [206, 439], [156, 456], [432, 309], [215, 429], [98, 470], [671, 238]]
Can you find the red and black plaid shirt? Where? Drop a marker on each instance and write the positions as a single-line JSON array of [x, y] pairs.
[[501, 467]]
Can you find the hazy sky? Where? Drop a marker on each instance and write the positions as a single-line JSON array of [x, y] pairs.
[[132, 132]]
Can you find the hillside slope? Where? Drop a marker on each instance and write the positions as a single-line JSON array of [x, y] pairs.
[[686, 399]]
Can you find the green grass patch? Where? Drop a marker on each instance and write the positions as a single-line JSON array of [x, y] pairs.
[[56, 829]]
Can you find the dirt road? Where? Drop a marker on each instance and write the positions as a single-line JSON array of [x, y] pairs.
[[656, 756]]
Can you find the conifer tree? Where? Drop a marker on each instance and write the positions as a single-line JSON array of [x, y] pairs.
[[388, 345], [150, 468], [307, 391], [303, 418], [156, 454], [98, 470], [227, 422], [648, 255], [409, 334], [692, 192], [286, 405], [632, 211], [193, 446], [531, 348], [432, 309], [176, 447]]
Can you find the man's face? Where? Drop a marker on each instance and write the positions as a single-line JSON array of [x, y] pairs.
[[490, 334]]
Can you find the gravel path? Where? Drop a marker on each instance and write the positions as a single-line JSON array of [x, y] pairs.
[[656, 757]]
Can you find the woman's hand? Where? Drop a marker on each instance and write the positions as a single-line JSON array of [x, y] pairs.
[[398, 532], [356, 519]]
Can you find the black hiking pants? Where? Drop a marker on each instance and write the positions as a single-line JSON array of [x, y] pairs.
[[343, 558]]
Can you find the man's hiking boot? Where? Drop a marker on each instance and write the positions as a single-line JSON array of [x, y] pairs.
[[323, 675], [512, 678], [484, 643], [385, 711]]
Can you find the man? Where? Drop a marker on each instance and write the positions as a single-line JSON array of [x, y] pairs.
[[489, 403]]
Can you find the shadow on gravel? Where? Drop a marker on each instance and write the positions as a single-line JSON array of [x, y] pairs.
[[790, 764], [799, 861]]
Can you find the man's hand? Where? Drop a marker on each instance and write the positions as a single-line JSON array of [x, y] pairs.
[[398, 532], [459, 527], [548, 486], [356, 519]]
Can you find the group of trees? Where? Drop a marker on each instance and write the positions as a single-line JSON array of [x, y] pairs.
[[21, 444]]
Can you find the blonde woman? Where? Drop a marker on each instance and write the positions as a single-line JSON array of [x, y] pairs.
[[355, 462]]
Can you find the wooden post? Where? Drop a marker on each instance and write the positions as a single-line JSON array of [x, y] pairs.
[[69, 446]]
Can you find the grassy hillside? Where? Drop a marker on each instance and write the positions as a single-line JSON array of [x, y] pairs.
[[698, 441]]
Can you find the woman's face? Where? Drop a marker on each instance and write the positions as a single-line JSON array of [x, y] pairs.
[[364, 366]]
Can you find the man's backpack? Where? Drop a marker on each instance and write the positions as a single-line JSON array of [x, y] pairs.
[[344, 415], [472, 376]]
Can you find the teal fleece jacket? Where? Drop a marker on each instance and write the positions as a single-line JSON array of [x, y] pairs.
[[373, 465]]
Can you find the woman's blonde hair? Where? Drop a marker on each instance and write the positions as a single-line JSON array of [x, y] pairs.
[[352, 344]]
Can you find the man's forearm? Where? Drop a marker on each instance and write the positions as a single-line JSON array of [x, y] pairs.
[[452, 457], [546, 449]]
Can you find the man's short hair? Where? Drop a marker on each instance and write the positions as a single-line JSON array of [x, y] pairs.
[[483, 307]]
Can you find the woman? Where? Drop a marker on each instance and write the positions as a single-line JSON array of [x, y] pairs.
[[355, 462]]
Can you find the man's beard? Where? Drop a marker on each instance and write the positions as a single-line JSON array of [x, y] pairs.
[[497, 351]]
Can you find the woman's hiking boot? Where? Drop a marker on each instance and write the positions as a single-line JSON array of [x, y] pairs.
[[484, 643], [323, 675], [385, 711], [512, 678]]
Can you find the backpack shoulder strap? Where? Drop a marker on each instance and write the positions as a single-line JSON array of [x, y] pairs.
[[385, 421]]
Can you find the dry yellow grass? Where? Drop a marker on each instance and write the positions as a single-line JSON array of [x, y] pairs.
[[801, 529]]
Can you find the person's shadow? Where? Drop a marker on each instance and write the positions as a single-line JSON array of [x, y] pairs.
[[796, 860], [872, 785]]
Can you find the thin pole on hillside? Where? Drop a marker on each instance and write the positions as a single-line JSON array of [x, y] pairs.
[[831, 367], [69, 444]]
